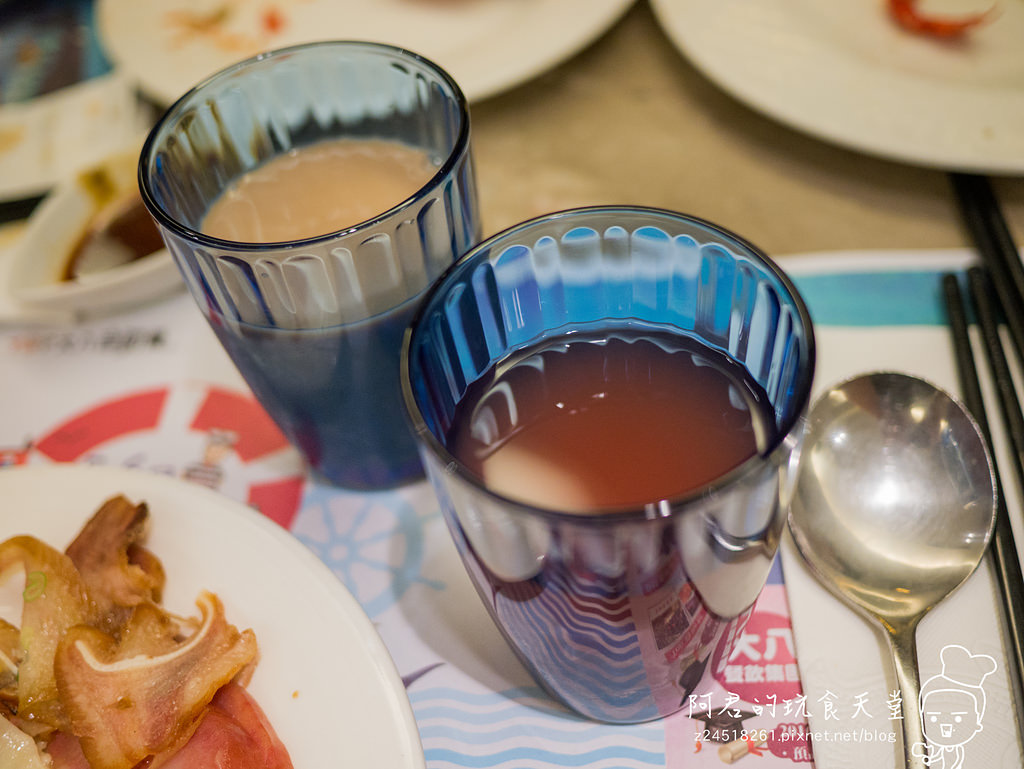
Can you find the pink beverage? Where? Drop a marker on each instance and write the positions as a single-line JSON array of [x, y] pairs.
[[596, 423], [318, 189], [600, 423], [609, 403]]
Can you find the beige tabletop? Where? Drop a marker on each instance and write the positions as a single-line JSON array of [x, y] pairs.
[[629, 120]]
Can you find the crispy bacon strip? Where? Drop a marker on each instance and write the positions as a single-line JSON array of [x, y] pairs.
[[151, 632], [17, 749], [56, 599], [108, 554], [11, 655], [125, 706]]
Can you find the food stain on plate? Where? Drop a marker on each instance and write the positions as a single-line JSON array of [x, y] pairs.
[[11, 137], [227, 27], [122, 231]]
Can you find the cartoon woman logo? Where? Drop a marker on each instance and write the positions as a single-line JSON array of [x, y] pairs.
[[952, 706]]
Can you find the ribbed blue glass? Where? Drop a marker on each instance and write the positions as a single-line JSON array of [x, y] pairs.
[[574, 592], [315, 325], [570, 271]]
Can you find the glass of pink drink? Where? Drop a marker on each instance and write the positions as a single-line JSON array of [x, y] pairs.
[[609, 403], [308, 196]]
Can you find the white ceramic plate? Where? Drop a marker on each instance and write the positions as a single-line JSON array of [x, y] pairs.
[[844, 72], [325, 679], [486, 45]]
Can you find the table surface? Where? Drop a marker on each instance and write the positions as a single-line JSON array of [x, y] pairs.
[[630, 120]]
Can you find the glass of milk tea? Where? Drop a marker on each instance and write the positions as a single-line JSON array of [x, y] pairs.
[[609, 404], [309, 196]]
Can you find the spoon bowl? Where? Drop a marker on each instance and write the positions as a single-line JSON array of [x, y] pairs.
[[893, 510]]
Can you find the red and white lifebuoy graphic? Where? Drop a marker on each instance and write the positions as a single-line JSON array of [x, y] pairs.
[[212, 435]]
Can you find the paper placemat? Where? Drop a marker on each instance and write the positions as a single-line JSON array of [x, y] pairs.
[[152, 389]]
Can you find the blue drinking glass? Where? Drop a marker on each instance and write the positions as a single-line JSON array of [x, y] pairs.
[[623, 615], [315, 325]]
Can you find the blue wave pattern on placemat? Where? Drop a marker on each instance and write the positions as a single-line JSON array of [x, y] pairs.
[[901, 298], [523, 728]]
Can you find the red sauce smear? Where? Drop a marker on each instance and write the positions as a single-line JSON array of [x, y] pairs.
[[273, 21], [906, 14]]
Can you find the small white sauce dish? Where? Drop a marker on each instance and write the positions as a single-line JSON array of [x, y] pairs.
[[34, 274]]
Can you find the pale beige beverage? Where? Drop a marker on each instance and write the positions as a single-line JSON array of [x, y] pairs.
[[359, 191], [317, 190]]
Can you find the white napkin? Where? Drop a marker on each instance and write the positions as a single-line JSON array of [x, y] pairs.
[[842, 658], [844, 661]]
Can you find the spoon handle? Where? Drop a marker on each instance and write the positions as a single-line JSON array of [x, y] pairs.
[[903, 645]]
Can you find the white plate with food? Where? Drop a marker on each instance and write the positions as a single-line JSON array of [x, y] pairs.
[[845, 71], [488, 46], [324, 678]]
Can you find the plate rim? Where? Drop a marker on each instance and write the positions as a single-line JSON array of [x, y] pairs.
[[949, 153], [590, 19]]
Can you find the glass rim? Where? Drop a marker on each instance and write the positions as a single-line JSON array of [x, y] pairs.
[[460, 147], [658, 509]]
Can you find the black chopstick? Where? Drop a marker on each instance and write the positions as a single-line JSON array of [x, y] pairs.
[[987, 308], [987, 226], [16, 210], [1005, 560]]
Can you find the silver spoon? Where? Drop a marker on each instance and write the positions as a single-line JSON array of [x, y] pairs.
[[893, 510]]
